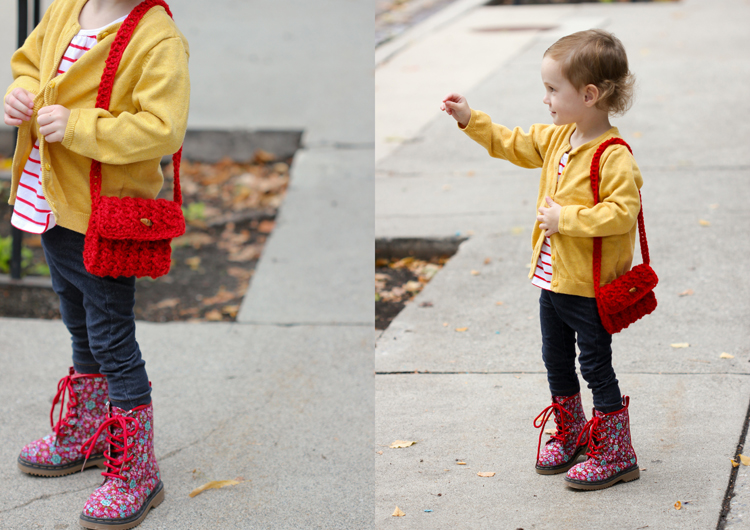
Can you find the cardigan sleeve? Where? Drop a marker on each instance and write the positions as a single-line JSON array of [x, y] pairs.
[[617, 211], [525, 149], [156, 129]]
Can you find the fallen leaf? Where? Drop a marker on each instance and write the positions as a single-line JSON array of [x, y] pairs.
[[637, 134], [214, 485], [397, 512], [680, 345], [475, 273], [734, 462], [678, 505], [461, 330], [230, 310], [400, 444], [266, 226], [426, 304], [168, 303], [470, 173], [689, 292], [517, 230], [498, 303], [745, 460], [703, 222], [263, 157], [487, 261], [486, 473], [380, 452], [214, 315], [194, 239], [194, 263], [550, 431], [222, 297], [445, 324], [726, 355], [413, 286], [460, 463]]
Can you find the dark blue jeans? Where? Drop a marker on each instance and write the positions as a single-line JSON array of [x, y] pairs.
[[563, 318], [98, 313]]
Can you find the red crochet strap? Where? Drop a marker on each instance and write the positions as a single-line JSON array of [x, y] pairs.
[[597, 256], [104, 95]]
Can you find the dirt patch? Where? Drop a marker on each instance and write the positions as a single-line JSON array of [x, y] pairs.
[[397, 282], [230, 210]]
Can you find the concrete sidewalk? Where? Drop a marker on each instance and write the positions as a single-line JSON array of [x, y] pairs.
[[472, 396], [285, 397]]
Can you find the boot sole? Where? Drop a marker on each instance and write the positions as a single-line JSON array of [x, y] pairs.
[[626, 475], [561, 468], [153, 500], [43, 470]]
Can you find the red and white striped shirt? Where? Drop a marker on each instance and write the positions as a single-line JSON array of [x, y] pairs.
[[543, 273], [32, 212]]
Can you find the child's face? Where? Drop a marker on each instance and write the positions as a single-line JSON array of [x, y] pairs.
[[565, 102]]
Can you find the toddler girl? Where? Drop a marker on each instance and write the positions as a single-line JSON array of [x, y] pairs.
[[108, 421], [586, 79]]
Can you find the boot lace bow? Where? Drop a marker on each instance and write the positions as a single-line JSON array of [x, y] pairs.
[[118, 456], [561, 425]]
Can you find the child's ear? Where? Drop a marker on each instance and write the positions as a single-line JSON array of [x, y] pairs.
[[590, 95]]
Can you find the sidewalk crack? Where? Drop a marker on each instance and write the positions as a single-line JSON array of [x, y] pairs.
[[44, 497]]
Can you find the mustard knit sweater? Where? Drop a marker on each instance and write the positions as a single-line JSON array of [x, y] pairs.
[[614, 219], [146, 120]]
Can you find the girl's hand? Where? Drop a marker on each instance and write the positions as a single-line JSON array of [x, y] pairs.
[[456, 105], [52, 122], [549, 218], [19, 107]]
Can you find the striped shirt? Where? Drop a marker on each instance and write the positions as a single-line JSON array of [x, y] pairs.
[[32, 212], [543, 273]]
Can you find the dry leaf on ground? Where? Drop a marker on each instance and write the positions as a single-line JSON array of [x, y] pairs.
[[734, 462], [726, 355], [397, 512], [214, 315], [678, 505], [689, 292], [487, 261], [745, 460], [461, 330], [475, 273], [214, 484], [486, 473], [460, 463], [680, 345], [703, 222], [550, 431], [400, 444]]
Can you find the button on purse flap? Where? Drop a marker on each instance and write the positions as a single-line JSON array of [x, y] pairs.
[[627, 289], [139, 219]]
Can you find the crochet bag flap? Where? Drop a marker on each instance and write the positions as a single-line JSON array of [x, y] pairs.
[[631, 296], [139, 219], [627, 289]]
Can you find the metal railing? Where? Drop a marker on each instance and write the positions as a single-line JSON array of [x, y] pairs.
[[23, 32]]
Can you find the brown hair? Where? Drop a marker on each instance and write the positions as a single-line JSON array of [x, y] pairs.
[[596, 57]]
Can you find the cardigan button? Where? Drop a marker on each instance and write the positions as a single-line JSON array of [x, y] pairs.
[[52, 84], [48, 166]]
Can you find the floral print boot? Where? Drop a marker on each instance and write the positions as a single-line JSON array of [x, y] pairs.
[[562, 449], [132, 485], [59, 453], [611, 455]]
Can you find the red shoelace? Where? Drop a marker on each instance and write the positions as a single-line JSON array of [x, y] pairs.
[[117, 456], [66, 383], [594, 436], [561, 430]]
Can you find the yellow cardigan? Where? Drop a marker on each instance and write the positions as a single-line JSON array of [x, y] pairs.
[[146, 120], [614, 219]]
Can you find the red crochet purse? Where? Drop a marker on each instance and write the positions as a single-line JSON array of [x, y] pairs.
[[130, 236], [631, 296]]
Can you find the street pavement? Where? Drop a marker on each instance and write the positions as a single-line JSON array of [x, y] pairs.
[[471, 396], [284, 398]]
